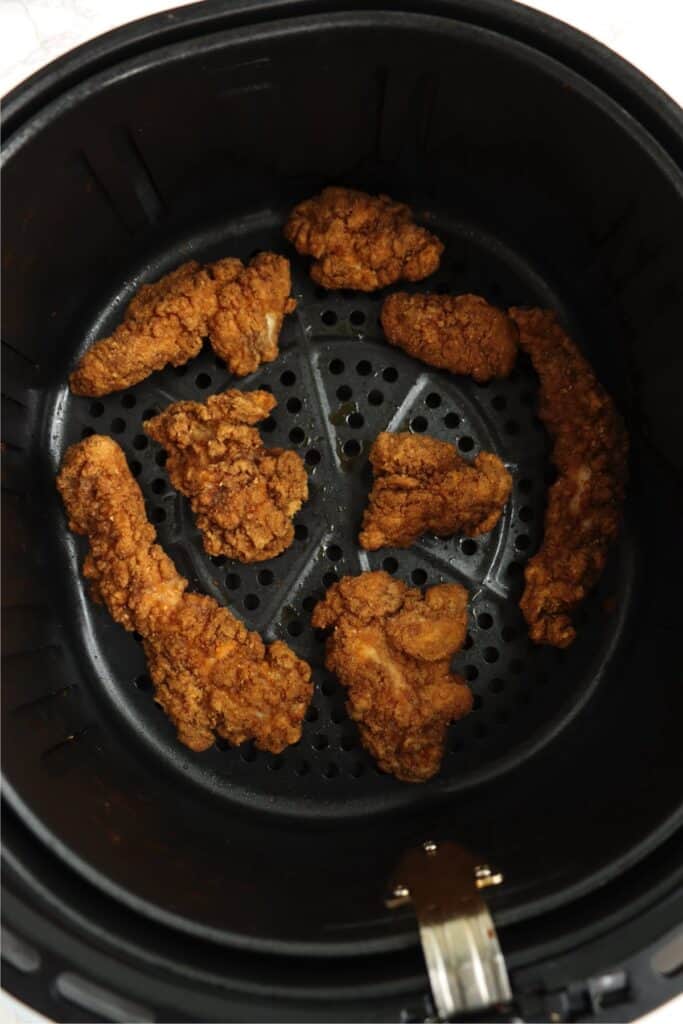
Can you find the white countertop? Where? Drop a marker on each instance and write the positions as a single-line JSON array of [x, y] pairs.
[[649, 33]]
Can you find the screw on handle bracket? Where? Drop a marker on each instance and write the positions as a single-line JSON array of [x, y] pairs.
[[466, 968]]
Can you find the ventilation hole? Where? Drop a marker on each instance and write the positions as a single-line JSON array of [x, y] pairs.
[[288, 378], [497, 685], [203, 381], [136, 468], [390, 374], [477, 702], [294, 405], [302, 768], [330, 771], [355, 420], [221, 744], [295, 628], [508, 634], [329, 317], [418, 424], [265, 577], [97, 409], [357, 317], [232, 581], [149, 414], [480, 731], [275, 764], [158, 485], [468, 546], [218, 559], [269, 425], [118, 425], [348, 743], [363, 368], [320, 293], [144, 683], [338, 715], [491, 655], [525, 486], [468, 643], [522, 542], [329, 579], [248, 753], [320, 742], [313, 457], [526, 514], [266, 387], [300, 531], [251, 602], [471, 673], [465, 444], [485, 621], [158, 515], [296, 435], [87, 432], [344, 393], [517, 666], [312, 714], [219, 363], [334, 552], [328, 687], [140, 442], [160, 459], [418, 576], [351, 448], [180, 371], [356, 770], [452, 420], [511, 427], [336, 366], [499, 402], [375, 398], [390, 565]]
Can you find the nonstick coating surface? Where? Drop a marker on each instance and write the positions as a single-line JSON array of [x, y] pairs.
[[338, 384]]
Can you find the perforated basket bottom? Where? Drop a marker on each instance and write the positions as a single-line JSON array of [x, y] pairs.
[[338, 384]]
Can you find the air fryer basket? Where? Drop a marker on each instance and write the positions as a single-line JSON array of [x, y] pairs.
[[552, 180]]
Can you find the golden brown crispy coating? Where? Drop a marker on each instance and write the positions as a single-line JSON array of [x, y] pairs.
[[361, 241], [240, 308], [242, 494], [210, 674], [590, 452], [460, 333], [391, 647], [423, 485]]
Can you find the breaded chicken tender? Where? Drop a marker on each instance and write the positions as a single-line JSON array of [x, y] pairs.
[[590, 452], [210, 674], [361, 241], [240, 308], [423, 485], [460, 333], [391, 647], [243, 494]]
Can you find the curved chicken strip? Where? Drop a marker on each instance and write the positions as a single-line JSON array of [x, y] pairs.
[[210, 674], [590, 452], [423, 485], [361, 241], [391, 647], [460, 333], [243, 494], [240, 308]]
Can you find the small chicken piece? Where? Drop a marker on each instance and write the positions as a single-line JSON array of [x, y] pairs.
[[243, 494], [590, 452], [423, 485], [210, 674], [240, 308], [391, 647], [460, 333], [361, 241]]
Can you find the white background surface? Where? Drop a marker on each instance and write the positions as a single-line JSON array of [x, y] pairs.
[[649, 33]]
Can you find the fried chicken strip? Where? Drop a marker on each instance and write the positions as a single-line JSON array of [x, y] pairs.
[[460, 333], [240, 308], [590, 452], [210, 674], [243, 494], [361, 241], [423, 485], [391, 647]]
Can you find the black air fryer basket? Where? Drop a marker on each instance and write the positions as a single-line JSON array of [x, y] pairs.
[[145, 882]]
